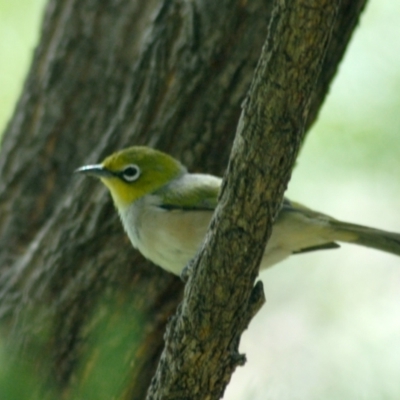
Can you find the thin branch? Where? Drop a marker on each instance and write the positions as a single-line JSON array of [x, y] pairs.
[[201, 350]]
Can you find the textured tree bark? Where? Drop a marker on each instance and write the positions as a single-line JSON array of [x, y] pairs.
[[171, 74], [220, 295]]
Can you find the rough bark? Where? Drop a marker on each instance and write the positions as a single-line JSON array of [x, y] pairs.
[[221, 296], [171, 74]]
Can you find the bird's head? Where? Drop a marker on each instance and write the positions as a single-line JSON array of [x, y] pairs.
[[134, 172]]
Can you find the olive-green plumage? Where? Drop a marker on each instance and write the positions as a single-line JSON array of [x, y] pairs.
[[166, 211]]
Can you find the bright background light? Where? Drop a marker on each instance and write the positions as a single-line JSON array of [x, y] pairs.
[[19, 33]]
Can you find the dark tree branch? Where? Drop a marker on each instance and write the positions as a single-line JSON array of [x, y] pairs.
[[201, 350]]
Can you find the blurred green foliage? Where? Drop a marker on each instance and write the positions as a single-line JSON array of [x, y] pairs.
[[359, 124], [19, 32], [110, 352], [115, 332]]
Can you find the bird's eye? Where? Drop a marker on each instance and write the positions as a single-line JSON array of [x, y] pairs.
[[130, 173]]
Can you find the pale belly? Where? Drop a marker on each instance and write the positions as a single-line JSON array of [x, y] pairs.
[[170, 239]]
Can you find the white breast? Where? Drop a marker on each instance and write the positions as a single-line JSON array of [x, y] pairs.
[[168, 238]]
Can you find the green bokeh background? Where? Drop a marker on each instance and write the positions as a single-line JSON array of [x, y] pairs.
[[19, 32], [331, 325]]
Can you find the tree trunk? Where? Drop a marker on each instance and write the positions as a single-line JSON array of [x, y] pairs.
[[107, 74]]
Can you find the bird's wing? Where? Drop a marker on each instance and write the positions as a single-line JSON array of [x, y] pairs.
[[191, 192], [293, 206], [305, 223]]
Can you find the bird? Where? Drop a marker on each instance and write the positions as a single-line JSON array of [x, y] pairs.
[[165, 211]]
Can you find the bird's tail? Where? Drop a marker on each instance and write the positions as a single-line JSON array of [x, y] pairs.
[[365, 236]]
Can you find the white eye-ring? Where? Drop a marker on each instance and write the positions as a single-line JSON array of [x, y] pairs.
[[130, 173]]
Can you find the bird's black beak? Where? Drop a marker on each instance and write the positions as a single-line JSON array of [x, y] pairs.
[[95, 170]]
